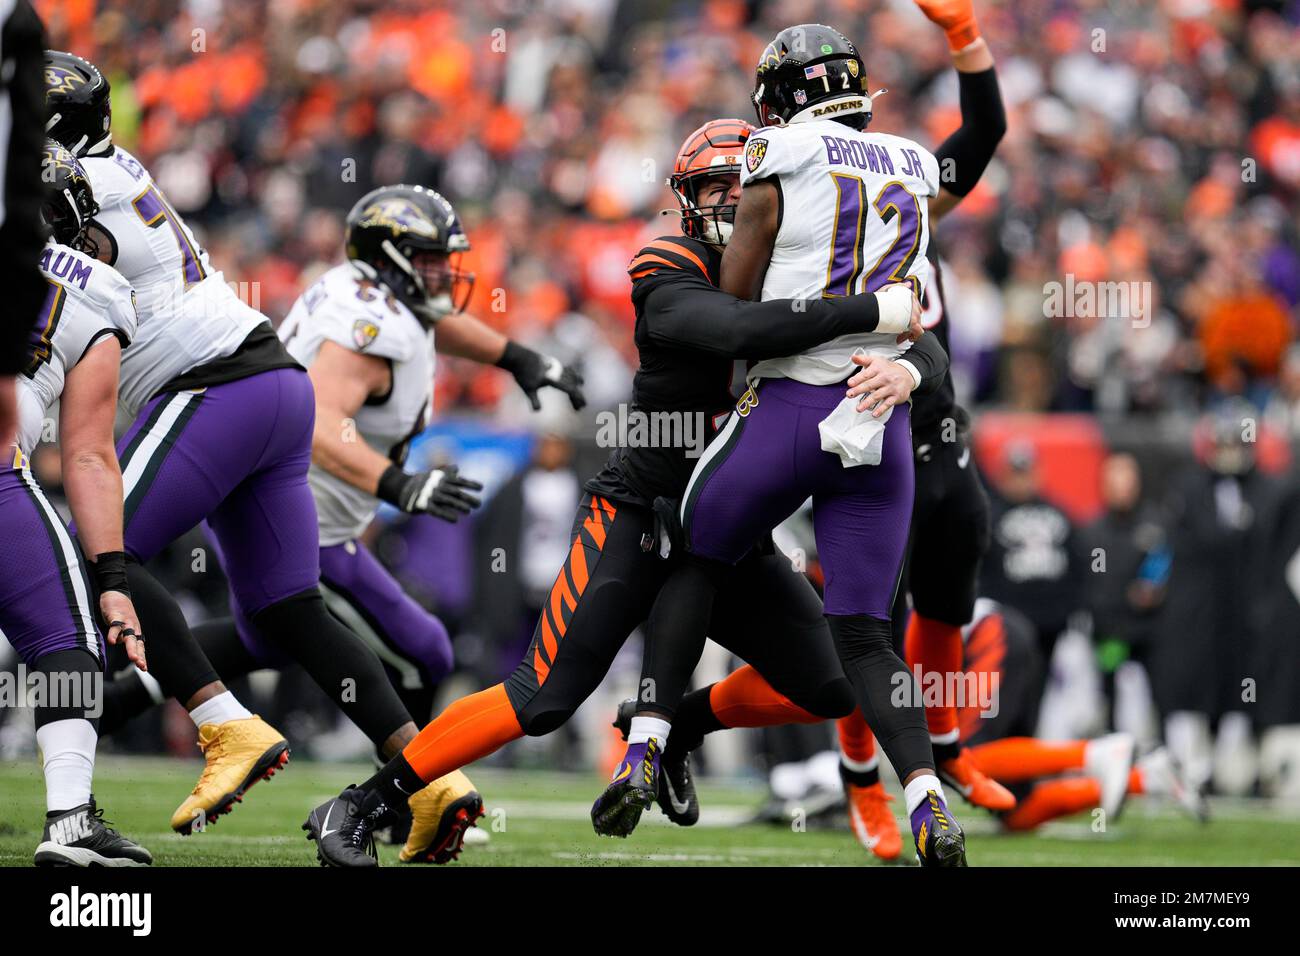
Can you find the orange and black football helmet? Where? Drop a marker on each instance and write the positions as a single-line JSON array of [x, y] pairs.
[[715, 149]]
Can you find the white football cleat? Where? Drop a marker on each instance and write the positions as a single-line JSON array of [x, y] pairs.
[[1110, 759], [1163, 777]]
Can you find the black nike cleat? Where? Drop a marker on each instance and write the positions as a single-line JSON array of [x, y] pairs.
[[675, 790], [344, 828], [81, 837]]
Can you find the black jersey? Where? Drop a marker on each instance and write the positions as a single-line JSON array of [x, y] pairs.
[[688, 335], [932, 409]]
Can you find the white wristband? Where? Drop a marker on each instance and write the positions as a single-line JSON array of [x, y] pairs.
[[895, 303], [916, 376]]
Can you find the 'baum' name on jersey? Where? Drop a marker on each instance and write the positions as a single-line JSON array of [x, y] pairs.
[[86, 301]]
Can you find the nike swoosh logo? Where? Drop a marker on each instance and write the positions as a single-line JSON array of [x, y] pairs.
[[681, 806], [400, 787], [965, 457], [324, 829]]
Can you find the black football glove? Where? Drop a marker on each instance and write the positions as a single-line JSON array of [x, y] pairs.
[[533, 371], [441, 493]]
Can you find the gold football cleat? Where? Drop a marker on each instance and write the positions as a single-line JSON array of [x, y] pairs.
[[238, 753], [441, 814]]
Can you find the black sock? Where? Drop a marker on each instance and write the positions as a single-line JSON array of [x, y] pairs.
[[175, 659], [675, 634], [77, 674], [865, 646], [396, 782], [694, 719], [859, 778], [341, 665], [944, 752]]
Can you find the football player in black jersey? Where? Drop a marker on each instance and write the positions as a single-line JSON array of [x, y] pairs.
[[949, 533], [688, 334]]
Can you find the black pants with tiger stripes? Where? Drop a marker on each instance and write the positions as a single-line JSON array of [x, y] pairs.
[[766, 613]]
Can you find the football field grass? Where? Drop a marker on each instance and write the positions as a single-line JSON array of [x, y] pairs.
[[540, 819]]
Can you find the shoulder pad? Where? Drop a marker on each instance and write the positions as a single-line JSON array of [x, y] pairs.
[[675, 253]]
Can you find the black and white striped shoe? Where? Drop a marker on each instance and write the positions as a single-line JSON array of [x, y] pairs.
[[81, 837]]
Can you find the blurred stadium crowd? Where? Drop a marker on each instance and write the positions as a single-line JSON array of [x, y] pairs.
[[1150, 141]]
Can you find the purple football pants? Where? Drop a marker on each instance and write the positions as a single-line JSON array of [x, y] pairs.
[[767, 460], [412, 643], [46, 600], [236, 455]]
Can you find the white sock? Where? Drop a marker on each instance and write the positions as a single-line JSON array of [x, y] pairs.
[[914, 793], [643, 728], [218, 710], [68, 748]]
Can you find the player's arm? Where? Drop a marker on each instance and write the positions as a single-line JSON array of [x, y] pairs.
[[965, 154], [758, 217], [682, 310], [928, 360], [463, 335], [93, 482], [343, 380]]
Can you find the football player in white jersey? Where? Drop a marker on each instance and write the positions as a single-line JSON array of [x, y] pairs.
[[223, 434], [827, 208], [366, 332], [193, 333], [48, 589]]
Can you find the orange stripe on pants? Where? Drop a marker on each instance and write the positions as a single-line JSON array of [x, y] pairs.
[[563, 600]]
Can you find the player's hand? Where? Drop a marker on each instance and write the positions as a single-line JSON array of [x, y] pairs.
[[956, 17], [535, 371], [899, 311], [881, 383], [442, 492], [123, 625]]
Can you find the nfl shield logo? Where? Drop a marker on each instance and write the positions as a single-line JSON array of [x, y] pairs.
[[363, 333], [755, 150], [800, 97]]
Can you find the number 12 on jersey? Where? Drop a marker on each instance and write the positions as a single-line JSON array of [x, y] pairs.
[[846, 260]]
